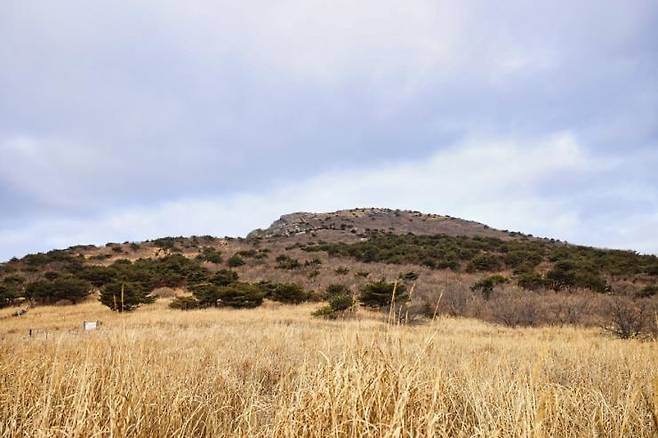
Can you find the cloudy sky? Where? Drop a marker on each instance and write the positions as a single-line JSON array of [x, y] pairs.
[[128, 120]]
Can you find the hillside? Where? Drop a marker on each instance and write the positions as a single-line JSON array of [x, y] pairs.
[[451, 265]]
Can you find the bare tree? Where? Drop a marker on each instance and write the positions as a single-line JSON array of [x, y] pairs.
[[628, 318]]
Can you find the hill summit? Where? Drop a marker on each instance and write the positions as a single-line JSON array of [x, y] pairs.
[[364, 220]]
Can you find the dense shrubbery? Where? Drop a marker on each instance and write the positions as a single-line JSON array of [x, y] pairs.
[[11, 289], [73, 281], [61, 288], [569, 274], [570, 266], [61, 277], [171, 271], [224, 289]]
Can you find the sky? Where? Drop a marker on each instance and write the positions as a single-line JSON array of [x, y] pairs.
[[131, 120]]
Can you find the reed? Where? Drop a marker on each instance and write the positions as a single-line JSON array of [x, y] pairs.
[[276, 371]]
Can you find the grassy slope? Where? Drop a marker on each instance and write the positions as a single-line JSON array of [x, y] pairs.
[[276, 371]]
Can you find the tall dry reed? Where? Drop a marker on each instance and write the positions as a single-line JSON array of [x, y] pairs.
[[275, 371]]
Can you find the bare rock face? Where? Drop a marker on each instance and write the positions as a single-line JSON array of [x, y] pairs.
[[360, 220]]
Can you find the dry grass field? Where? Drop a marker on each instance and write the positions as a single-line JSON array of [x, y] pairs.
[[276, 371]]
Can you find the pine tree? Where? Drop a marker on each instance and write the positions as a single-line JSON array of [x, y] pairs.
[[125, 296]]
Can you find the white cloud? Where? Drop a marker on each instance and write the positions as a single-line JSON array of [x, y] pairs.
[[495, 182]]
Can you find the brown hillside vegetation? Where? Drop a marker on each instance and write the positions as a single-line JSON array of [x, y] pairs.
[[275, 371], [456, 267]]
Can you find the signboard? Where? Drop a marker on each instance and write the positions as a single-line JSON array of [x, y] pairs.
[[90, 325]]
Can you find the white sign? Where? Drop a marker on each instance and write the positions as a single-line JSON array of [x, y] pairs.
[[90, 325]]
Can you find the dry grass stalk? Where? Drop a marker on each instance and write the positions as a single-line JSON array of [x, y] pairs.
[[275, 371]]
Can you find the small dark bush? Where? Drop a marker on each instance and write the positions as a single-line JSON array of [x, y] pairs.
[[166, 243], [184, 303], [648, 291], [532, 281], [341, 302], [210, 255], [234, 261], [381, 294], [249, 253], [409, 276], [325, 312], [570, 274], [240, 295], [284, 261], [521, 258], [287, 293], [51, 275], [336, 289], [313, 262], [484, 262], [486, 285]]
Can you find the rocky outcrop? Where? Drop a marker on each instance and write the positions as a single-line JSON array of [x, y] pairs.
[[360, 220]]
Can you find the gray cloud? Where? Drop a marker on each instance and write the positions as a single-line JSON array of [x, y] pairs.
[[116, 106]]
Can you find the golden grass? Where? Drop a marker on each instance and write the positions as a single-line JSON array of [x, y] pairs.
[[275, 371]]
